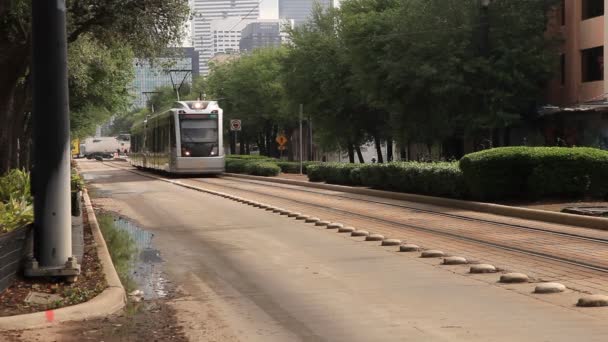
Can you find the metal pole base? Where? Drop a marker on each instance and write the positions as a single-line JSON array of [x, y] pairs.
[[70, 270]]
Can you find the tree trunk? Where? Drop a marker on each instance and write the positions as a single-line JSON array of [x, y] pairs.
[[232, 143], [242, 143], [378, 149], [351, 153], [402, 152], [359, 154], [389, 149], [12, 101]]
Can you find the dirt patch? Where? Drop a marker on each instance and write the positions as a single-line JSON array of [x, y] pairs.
[[90, 283], [145, 321]]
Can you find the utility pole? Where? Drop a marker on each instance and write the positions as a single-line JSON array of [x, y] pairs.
[[51, 171], [301, 144]]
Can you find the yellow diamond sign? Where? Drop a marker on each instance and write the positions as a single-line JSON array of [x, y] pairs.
[[281, 140]]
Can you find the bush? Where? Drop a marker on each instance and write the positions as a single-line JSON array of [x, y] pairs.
[[332, 173], [525, 172], [266, 169], [248, 157], [257, 167], [294, 167], [16, 207], [434, 179]]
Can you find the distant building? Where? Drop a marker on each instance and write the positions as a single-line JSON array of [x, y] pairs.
[[221, 58], [226, 34], [179, 64], [260, 34], [578, 97], [300, 10], [208, 11]]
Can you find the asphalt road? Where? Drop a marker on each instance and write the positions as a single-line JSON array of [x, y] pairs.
[[249, 275]]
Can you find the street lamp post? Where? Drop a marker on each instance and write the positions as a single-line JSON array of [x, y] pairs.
[[51, 166]]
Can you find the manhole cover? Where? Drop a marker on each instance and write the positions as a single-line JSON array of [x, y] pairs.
[[587, 211]]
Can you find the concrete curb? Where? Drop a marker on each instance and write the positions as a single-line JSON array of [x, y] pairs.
[[110, 301], [490, 208]]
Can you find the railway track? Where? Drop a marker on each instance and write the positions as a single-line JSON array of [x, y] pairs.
[[558, 244]]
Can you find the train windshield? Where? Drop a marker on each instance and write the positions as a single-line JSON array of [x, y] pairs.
[[199, 137]]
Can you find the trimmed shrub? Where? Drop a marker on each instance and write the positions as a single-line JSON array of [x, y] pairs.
[[257, 167], [266, 169], [332, 173], [524, 172], [248, 157], [434, 179], [314, 173], [294, 167]]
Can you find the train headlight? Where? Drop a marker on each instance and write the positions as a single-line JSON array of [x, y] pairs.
[[214, 151], [185, 152], [197, 105]]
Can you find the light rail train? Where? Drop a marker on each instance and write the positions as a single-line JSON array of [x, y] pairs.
[[186, 139]]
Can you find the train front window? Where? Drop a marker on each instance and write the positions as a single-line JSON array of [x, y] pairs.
[[199, 137]]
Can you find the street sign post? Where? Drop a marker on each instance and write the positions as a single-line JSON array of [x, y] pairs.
[[281, 140], [235, 125]]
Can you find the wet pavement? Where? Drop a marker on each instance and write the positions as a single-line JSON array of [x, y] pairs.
[[147, 266]]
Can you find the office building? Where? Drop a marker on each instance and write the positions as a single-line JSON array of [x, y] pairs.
[[300, 10], [259, 35], [180, 64], [205, 12]]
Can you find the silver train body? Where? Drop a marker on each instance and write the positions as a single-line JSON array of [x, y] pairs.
[[186, 139]]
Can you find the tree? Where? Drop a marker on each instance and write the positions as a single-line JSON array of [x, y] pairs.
[[317, 74], [144, 26], [250, 89]]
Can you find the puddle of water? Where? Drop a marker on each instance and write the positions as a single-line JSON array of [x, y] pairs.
[[89, 176], [146, 267]]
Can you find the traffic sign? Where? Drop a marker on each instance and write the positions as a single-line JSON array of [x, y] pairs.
[[281, 140], [235, 125], [282, 148]]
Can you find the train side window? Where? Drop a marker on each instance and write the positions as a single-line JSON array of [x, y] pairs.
[[172, 131]]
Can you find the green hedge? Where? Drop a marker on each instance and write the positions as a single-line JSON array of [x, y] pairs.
[[252, 167], [248, 157], [535, 172], [294, 167], [434, 179], [333, 173]]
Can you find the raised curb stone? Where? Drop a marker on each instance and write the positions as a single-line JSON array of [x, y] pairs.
[[322, 223], [431, 253], [312, 219], [593, 301], [374, 237], [346, 230], [302, 217], [549, 288], [408, 247], [514, 278], [483, 268], [335, 225], [455, 260], [293, 214], [391, 242], [359, 233]]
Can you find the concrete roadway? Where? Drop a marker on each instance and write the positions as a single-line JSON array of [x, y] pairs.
[[249, 275]]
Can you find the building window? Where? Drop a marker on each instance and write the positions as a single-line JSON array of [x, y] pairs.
[[562, 61], [592, 62], [592, 8]]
